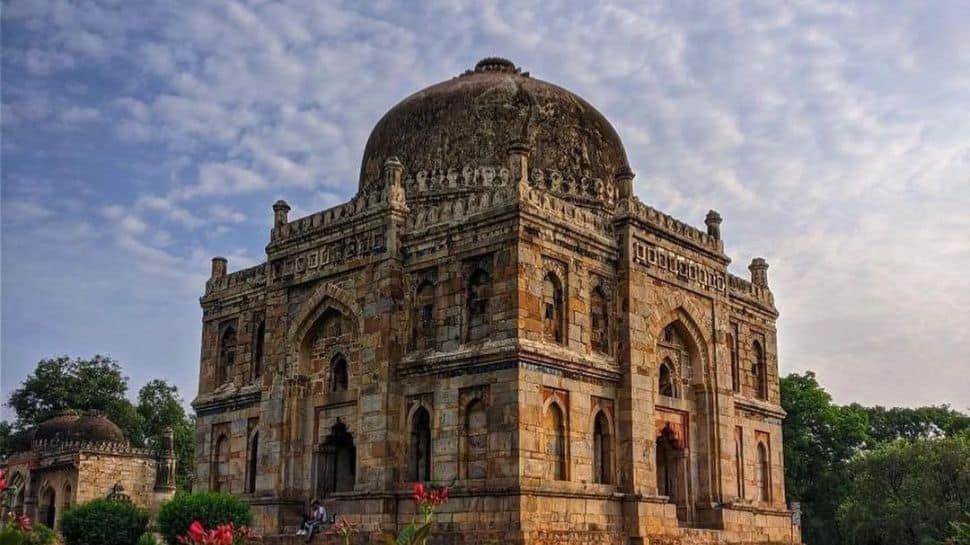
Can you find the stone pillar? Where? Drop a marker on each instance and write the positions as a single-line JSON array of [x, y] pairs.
[[713, 222], [624, 183], [219, 266], [280, 211], [759, 272], [519, 166], [397, 201]]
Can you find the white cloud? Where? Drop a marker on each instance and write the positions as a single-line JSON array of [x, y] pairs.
[[831, 136]]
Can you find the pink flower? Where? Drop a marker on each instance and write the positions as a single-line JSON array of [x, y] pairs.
[[3, 481], [420, 495], [24, 522], [196, 532]]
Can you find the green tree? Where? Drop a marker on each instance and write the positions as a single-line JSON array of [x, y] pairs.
[[160, 407], [820, 438], [64, 383], [907, 492], [913, 423]]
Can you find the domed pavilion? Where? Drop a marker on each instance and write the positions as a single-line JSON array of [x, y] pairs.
[[495, 310], [78, 456]]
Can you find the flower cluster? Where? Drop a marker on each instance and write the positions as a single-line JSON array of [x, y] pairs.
[[223, 534], [13, 528], [429, 497], [345, 529]]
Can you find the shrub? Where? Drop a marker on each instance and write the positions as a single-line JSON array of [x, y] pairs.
[[209, 508], [103, 522], [147, 539], [41, 535]]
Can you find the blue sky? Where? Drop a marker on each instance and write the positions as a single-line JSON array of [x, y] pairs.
[[140, 139]]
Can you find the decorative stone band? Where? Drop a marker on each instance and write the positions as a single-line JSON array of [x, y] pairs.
[[333, 253], [53, 446], [652, 256]]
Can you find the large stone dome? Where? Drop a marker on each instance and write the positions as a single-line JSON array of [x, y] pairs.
[[72, 425], [472, 119]]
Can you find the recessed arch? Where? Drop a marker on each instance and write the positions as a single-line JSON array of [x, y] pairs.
[[759, 370], [419, 451], [553, 308], [665, 377], [599, 320], [478, 299], [696, 340], [339, 373], [47, 505], [324, 297], [764, 473], [220, 464], [603, 446], [554, 428], [423, 319], [474, 440]]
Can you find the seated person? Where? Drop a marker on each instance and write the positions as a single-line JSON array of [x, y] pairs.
[[313, 522]]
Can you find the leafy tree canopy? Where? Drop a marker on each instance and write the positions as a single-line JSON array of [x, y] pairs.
[[907, 492], [64, 383], [835, 456], [820, 438], [98, 383]]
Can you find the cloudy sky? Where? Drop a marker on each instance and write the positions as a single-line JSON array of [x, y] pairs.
[[140, 139]]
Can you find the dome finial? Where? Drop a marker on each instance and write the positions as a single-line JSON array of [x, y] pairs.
[[496, 64]]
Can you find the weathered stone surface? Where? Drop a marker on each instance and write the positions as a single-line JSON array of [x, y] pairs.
[[78, 457], [495, 311]]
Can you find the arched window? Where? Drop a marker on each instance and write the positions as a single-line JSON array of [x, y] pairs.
[[227, 356], [251, 463], [764, 473], [599, 321], [423, 333], [666, 379], [66, 495], [760, 371], [475, 455], [339, 378], [48, 507], [553, 312], [555, 429], [220, 464], [336, 462], [419, 455], [602, 450], [259, 332], [478, 294]]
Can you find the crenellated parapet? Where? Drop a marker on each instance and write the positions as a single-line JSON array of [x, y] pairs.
[[53, 447], [665, 223], [584, 190], [435, 182], [373, 200], [253, 277], [745, 289]]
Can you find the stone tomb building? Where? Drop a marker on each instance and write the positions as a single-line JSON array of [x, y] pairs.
[[80, 456], [495, 310]]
